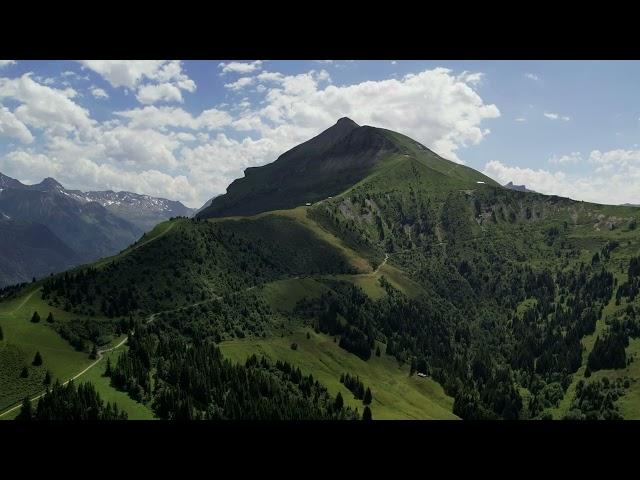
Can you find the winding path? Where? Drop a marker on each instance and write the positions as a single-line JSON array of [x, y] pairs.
[[98, 358]]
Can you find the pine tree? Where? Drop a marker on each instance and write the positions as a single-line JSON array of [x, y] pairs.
[[47, 378], [366, 414], [367, 397], [50, 318], [108, 371], [94, 353], [35, 317], [24, 373], [26, 412], [378, 351], [339, 403], [37, 360], [1, 333]]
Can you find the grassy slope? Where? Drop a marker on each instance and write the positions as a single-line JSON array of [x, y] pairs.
[[21, 341], [396, 395]]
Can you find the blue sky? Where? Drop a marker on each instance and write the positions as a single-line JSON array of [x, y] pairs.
[[185, 129]]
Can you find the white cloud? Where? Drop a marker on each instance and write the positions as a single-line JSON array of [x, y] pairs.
[[6, 63], [45, 107], [556, 116], [532, 76], [435, 107], [10, 126], [99, 93], [240, 67], [156, 80], [521, 119], [166, 92], [162, 117], [124, 73], [393, 62], [611, 186], [615, 159], [573, 157], [241, 83], [270, 77]]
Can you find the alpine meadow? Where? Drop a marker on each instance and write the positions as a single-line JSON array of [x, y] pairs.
[[360, 276]]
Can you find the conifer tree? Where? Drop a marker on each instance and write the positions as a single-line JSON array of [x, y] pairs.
[[339, 403], [366, 414], [35, 318], [26, 412], [94, 353], [378, 351], [37, 360], [24, 373], [108, 371], [1, 333], [50, 318], [367, 397], [47, 378]]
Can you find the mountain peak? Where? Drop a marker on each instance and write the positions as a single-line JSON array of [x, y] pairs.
[[49, 184], [8, 182], [346, 121]]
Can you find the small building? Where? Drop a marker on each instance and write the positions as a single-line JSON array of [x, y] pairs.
[[423, 375], [308, 204], [480, 182]]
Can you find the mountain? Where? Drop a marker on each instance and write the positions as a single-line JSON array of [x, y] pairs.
[[519, 188], [87, 230], [326, 165], [30, 250], [423, 281], [86, 227], [143, 211], [206, 204]]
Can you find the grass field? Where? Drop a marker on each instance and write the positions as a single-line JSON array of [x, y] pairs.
[[395, 394], [22, 339]]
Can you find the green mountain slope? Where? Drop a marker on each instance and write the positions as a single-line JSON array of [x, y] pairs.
[[490, 301]]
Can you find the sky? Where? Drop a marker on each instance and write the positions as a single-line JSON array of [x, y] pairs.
[[184, 130]]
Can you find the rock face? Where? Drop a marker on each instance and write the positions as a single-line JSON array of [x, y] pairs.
[[519, 188]]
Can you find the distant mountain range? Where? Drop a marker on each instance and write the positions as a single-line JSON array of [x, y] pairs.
[[142, 210], [46, 228]]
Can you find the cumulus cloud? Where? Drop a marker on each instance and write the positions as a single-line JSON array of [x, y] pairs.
[[612, 186], [6, 63], [156, 80], [239, 84], [163, 117], [532, 76], [240, 67], [44, 107], [99, 93], [557, 116], [10, 126], [167, 92], [436, 107]]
